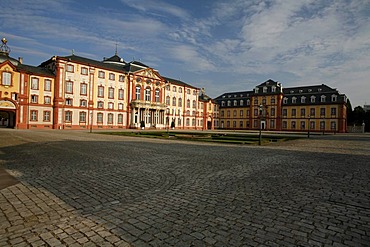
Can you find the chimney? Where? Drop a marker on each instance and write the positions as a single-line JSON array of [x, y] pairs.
[[20, 59]]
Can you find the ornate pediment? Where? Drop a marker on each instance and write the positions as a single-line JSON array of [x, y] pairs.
[[149, 74], [7, 104]]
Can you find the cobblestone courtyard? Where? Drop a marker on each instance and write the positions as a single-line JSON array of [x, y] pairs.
[[82, 189]]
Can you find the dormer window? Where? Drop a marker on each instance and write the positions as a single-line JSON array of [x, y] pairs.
[[228, 103], [303, 99], [235, 102], [273, 89], [313, 99], [222, 103], [265, 89], [294, 100], [248, 101], [256, 90], [241, 102], [285, 100], [301, 91], [334, 98], [323, 98]]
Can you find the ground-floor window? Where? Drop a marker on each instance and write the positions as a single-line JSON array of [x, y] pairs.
[[110, 118], [99, 117], [234, 124], [120, 118], [193, 122], [333, 125], [47, 116], [241, 124], [187, 122], [34, 115], [285, 124], [303, 125], [272, 124], [293, 124], [68, 116], [83, 117], [228, 124]]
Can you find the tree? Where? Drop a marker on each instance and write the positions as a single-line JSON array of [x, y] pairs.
[[358, 115]]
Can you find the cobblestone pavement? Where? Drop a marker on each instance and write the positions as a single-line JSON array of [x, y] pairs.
[[82, 189]]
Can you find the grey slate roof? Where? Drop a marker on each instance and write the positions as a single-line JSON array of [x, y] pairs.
[[178, 82]]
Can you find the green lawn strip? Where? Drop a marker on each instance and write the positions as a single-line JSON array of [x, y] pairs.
[[206, 137]]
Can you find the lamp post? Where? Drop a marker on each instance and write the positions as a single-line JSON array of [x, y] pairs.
[[260, 132], [309, 126], [91, 121], [323, 126]]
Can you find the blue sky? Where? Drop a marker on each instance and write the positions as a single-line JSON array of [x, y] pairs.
[[221, 45]]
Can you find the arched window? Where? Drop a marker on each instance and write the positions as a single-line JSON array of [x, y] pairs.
[[148, 94], [157, 95], [180, 102], [137, 92], [174, 101]]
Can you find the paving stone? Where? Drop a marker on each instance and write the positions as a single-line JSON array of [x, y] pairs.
[[102, 190]]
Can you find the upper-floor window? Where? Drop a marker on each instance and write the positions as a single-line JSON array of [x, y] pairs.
[[34, 99], [110, 105], [285, 100], [272, 100], [312, 112], [120, 106], [294, 112], [334, 98], [241, 102], [111, 93], [112, 76], [174, 88], [83, 89], [235, 102], [174, 101], [120, 93], [322, 111], [303, 112], [137, 92], [34, 83], [83, 103], [273, 89], [47, 100], [273, 112], [303, 99], [70, 68], [333, 111], [121, 78], [323, 98], [148, 94], [248, 101], [285, 112], [84, 71], [194, 92], [188, 103], [222, 103], [100, 91], [256, 101], [180, 89], [168, 99], [6, 79], [228, 103], [100, 104], [294, 100], [69, 87], [188, 91], [157, 95], [69, 101], [101, 74], [47, 85], [265, 89], [313, 99]]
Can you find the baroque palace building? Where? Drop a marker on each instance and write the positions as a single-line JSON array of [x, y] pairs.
[[74, 92], [317, 108]]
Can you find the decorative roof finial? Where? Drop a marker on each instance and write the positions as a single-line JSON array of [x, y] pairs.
[[116, 49], [4, 48], [73, 52]]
